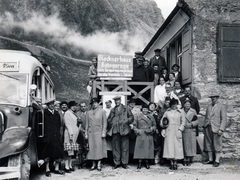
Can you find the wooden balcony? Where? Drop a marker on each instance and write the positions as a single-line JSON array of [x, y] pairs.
[[138, 90]]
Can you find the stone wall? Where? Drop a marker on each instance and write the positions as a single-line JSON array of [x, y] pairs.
[[207, 15]]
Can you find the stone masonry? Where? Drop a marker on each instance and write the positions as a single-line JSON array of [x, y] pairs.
[[206, 16]]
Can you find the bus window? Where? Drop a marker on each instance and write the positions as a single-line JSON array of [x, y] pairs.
[[36, 79], [13, 89]]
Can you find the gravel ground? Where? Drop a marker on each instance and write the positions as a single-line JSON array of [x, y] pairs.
[[228, 170]]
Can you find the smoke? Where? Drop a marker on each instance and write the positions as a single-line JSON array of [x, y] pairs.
[[99, 42]]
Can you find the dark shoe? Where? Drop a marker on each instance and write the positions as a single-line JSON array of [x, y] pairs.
[[67, 170], [162, 162], [72, 169], [124, 166], [171, 167], [208, 162], [147, 166], [184, 164], [216, 164], [48, 174], [139, 166], [59, 172], [116, 166], [175, 167]]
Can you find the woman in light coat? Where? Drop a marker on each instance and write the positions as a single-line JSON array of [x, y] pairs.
[[70, 134], [189, 133], [144, 126], [173, 147], [96, 127]]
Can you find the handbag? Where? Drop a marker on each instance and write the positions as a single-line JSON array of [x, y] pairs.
[[165, 123], [71, 146]]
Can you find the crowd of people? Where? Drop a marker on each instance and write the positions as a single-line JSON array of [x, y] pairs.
[[164, 130]]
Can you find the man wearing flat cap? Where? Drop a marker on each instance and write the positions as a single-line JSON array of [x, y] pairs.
[[157, 59], [119, 120], [136, 55], [214, 126]]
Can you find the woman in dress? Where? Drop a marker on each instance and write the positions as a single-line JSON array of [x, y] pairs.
[[144, 126], [96, 127], [173, 147], [189, 133], [70, 135]]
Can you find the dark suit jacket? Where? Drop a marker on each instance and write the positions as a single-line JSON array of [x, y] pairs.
[[119, 121], [160, 61]]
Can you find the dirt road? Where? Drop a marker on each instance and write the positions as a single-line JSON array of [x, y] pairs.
[[228, 170]]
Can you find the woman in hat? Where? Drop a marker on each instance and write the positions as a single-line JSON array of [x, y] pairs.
[[173, 148], [189, 133], [96, 127], [144, 126], [70, 135], [177, 73]]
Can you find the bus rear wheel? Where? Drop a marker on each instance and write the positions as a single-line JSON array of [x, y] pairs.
[[22, 161]]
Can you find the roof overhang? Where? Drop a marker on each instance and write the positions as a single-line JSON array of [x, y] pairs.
[[180, 15]]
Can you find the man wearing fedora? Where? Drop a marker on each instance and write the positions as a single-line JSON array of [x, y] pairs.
[[51, 147], [119, 120], [158, 59], [214, 126]]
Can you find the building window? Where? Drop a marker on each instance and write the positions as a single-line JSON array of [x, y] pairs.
[[228, 53]]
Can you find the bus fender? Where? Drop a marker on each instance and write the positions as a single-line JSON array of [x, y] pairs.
[[14, 140]]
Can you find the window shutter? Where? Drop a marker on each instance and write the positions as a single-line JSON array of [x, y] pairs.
[[228, 52], [186, 63]]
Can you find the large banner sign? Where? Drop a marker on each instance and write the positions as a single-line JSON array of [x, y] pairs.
[[114, 66]]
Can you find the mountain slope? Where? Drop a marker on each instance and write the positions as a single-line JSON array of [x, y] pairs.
[[76, 28]]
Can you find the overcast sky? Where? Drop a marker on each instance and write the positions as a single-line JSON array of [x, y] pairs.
[[166, 6]]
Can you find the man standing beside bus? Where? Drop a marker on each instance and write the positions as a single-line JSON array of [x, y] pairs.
[[52, 147]]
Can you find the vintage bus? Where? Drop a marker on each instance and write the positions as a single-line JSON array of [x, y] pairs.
[[23, 80]]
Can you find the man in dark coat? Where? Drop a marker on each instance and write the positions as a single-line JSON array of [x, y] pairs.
[[149, 70], [157, 59], [119, 120], [139, 73], [52, 146]]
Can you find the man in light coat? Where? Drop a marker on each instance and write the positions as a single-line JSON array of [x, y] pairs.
[[214, 126]]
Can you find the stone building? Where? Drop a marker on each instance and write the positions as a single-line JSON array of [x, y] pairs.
[[203, 37]]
